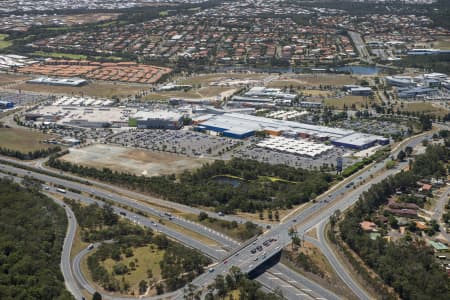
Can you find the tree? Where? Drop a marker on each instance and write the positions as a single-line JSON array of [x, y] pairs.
[[220, 286], [408, 150], [109, 217], [277, 216], [143, 286], [401, 155], [202, 216], [97, 296]]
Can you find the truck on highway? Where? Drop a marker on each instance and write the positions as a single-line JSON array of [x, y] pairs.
[[63, 191]]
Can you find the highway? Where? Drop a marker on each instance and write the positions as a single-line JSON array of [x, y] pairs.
[[244, 258], [360, 46], [290, 290], [40, 164], [220, 238], [339, 198], [69, 280]]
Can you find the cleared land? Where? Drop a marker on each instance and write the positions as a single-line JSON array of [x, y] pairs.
[[7, 79], [94, 89], [425, 107], [442, 42], [139, 162], [23, 140]]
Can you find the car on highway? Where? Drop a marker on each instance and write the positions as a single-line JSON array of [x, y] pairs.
[[211, 270], [90, 247], [225, 262]]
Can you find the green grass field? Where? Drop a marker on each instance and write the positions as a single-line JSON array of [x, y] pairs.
[[146, 260], [3, 43], [60, 55], [358, 101], [23, 140]]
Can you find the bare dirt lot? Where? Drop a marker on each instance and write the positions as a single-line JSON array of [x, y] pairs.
[[139, 162], [7, 79]]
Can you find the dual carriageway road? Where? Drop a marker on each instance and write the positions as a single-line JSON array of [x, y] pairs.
[[340, 197]]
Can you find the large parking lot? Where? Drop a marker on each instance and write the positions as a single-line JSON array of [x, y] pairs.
[[372, 126], [20, 99], [275, 157], [184, 142]]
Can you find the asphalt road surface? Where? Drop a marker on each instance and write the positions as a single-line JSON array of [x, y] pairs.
[[278, 235]]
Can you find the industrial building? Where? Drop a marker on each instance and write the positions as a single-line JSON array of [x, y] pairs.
[[157, 119], [241, 126], [359, 141], [357, 90], [263, 95], [400, 81], [73, 82], [6, 104], [415, 92], [90, 117]]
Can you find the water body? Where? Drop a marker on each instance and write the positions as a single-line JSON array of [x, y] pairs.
[[235, 182], [359, 70]]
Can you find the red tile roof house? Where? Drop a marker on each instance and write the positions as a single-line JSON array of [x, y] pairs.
[[426, 187], [368, 226]]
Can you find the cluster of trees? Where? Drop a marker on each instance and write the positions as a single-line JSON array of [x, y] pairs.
[[408, 266], [236, 280], [178, 266], [29, 155], [303, 261], [101, 223], [240, 231], [437, 63], [32, 230], [291, 186], [377, 156]]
